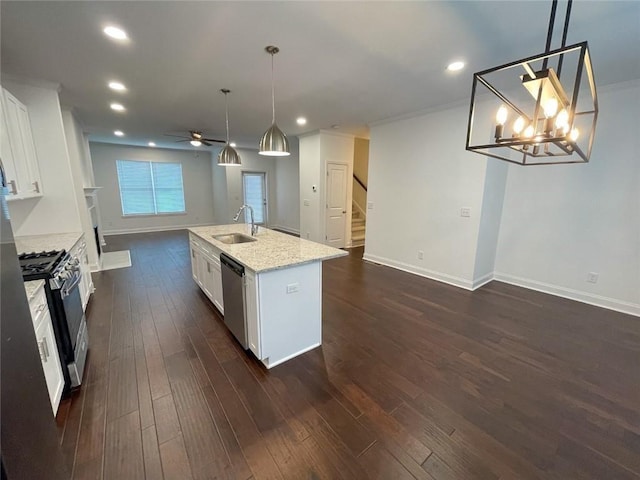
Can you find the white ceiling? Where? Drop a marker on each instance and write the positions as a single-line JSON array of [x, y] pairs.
[[340, 63]]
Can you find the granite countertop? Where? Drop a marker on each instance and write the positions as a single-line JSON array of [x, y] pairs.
[[272, 250], [52, 241], [32, 287]]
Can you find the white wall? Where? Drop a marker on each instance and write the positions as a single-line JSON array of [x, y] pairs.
[[316, 151], [310, 199], [198, 187], [490, 217], [288, 193], [561, 222], [76, 148], [56, 211], [420, 176]]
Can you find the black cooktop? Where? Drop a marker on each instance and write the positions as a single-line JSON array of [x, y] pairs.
[[39, 265]]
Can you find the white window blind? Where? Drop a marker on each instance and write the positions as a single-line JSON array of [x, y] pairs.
[[150, 188]]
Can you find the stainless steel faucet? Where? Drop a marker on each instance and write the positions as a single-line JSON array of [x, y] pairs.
[[254, 227]]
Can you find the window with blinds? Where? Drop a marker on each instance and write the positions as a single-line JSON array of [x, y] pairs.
[[150, 188]]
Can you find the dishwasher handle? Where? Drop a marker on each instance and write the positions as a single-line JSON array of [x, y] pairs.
[[230, 263]]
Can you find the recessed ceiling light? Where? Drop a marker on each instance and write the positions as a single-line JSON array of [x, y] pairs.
[[115, 32], [232, 144], [119, 87], [119, 133], [117, 107], [152, 144], [301, 121], [455, 66]]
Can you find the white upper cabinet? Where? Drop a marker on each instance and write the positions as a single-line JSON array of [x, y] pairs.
[[18, 151]]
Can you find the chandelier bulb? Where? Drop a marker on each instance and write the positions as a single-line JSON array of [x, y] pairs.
[[550, 107], [575, 133], [562, 120], [528, 132], [501, 116], [518, 125]]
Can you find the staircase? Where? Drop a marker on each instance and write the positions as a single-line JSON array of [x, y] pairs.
[[358, 222]]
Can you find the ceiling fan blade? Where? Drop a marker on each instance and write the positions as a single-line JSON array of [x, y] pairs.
[[214, 140], [185, 140], [170, 135], [204, 142]]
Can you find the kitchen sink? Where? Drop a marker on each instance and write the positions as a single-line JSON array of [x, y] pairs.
[[230, 238]]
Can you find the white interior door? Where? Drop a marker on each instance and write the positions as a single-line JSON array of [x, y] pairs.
[[336, 204], [254, 191]]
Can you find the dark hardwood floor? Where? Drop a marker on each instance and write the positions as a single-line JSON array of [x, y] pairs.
[[415, 379]]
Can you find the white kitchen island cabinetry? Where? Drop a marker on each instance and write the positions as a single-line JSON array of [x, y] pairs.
[[18, 150], [205, 269], [46, 341], [282, 287]]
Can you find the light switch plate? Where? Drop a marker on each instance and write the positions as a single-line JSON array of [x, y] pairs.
[[293, 288], [307, 202], [465, 212], [369, 205]]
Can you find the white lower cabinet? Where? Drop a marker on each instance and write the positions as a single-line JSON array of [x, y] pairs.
[[251, 313], [47, 348], [205, 269], [79, 252]]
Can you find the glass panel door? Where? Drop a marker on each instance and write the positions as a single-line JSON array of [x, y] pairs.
[[255, 195]]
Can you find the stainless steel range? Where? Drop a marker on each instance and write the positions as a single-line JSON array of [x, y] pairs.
[[62, 275]]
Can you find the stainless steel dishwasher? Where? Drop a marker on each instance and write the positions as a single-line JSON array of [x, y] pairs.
[[233, 296]]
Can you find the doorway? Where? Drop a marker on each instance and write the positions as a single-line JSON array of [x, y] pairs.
[[254, 193], [336, 204]]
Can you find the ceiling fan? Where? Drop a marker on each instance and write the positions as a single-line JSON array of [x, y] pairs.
[[195, 138]]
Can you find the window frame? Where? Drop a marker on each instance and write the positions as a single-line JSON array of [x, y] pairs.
[[153, 191]]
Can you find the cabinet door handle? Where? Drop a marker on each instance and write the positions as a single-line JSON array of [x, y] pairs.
[[46, 346], [14, 189], [36, 187], [41, 347]]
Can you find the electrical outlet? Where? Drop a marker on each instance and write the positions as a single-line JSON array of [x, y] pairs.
[[465, 212], [592, 277], [369, 205], [307, 202], [293, 288], [420, 254]]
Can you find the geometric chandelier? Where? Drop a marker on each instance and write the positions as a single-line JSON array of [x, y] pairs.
[[540, 110]]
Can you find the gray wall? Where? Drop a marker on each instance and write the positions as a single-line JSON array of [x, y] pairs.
[[196, 175]]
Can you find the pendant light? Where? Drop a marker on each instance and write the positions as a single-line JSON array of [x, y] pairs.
[[551, 120], [274, 142], [228, 155]]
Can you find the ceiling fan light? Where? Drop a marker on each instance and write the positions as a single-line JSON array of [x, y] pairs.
[[274, 143], [228, 157], [195, 143]]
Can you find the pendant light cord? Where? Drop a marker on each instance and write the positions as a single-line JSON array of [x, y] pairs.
[[273, 95], [226, 108]]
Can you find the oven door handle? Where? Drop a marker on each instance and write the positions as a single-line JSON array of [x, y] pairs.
[[66, 289]]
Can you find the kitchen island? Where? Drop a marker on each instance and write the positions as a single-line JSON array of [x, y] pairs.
[[282, 286]]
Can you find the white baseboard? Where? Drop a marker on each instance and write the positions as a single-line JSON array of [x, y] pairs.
[[478, 282], [285, 229], [423, 272], [126, 231], [589, 298]]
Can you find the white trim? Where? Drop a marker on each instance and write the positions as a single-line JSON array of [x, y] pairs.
[[126, 231], [479, 282], [589, 298], [423, 272], [288, 357], [286, 229]]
